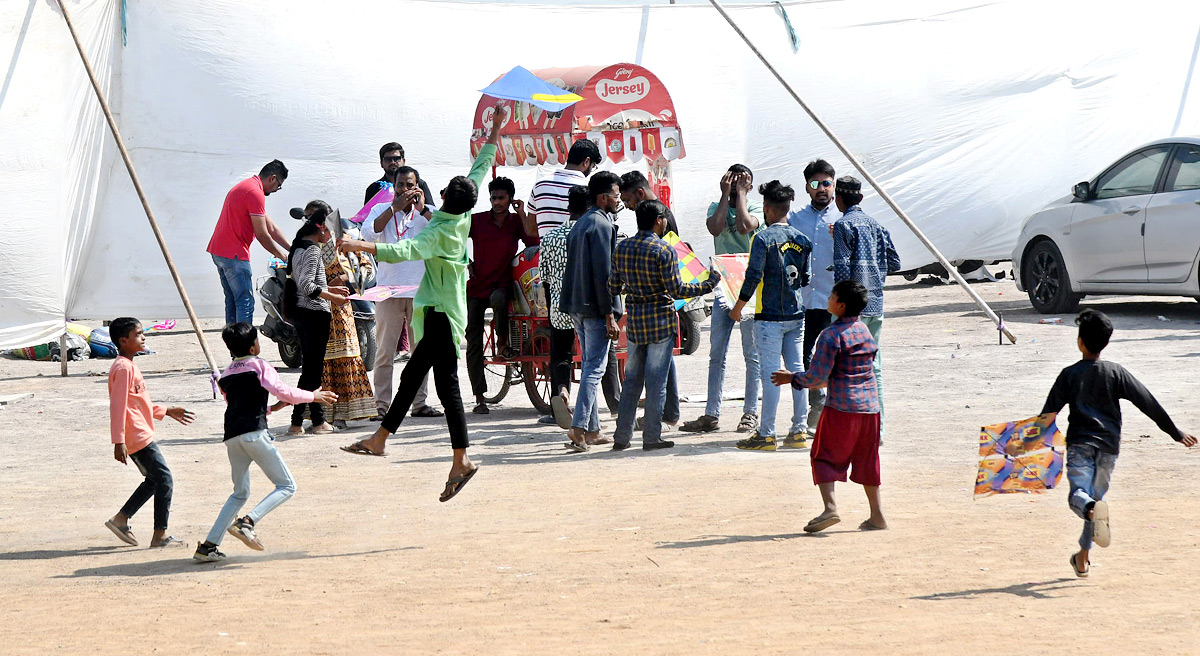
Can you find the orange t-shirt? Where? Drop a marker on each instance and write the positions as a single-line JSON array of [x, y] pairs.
[[130, 412]]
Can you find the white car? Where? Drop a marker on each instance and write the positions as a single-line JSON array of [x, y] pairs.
[[1133, 229]]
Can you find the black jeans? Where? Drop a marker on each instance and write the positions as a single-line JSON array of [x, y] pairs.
[[313, 326], [814, 322], [436, 351], [562, 350], [476, 312], [158, 484]]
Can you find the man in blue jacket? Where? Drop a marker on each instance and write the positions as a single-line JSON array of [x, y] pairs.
[[586, 299]]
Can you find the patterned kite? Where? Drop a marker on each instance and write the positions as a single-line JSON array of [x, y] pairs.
[[732, 268], [691, 269], [1021, 456]]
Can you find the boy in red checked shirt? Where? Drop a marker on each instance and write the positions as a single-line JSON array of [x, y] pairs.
[[132, 418], [848, 431]]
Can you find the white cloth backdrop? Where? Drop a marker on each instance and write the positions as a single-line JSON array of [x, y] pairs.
[[972, 114]]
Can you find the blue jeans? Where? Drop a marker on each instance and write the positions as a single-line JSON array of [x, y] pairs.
[[650, 364], [237, 280], [257, 447], [1088, 471], [875, 325], [593, 342], [778, 339], [719, 332]]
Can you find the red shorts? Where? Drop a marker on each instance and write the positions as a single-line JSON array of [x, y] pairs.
[[846, 439]]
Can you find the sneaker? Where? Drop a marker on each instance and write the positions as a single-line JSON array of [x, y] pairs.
[[243, 529], [207, 553], [757, 443], [798, 440], [702, 424], [654, 446], [546, 419], [748, 424], [617, 446]]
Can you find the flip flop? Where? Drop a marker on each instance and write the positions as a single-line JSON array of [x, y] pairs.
[[577, 448], [868, 526], [456, 484], [817, 524], [124, 534], [169, 541], [428, 412], [1101, 531], [562, 414], [359, 450], [1081, 573]]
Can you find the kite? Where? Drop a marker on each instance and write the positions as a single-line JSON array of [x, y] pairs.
[[522, 86], [1020, 456], [383, 292], [691, 269], [385, 195], [732, 268]]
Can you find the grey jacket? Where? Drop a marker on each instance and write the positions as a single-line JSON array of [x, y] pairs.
[[590, 248]]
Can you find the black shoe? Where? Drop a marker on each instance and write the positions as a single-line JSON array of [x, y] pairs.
[[620, 447], [654, 446]]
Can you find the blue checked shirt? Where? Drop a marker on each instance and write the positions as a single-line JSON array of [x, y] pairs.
[[646, 270], [863, 252], [843, 358]]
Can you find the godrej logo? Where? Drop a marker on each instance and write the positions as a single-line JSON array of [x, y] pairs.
[[622, 92], [623, 73]]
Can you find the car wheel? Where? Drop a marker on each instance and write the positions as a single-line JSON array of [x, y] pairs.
[[1047, 281]]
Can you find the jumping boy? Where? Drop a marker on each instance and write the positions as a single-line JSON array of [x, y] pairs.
[[1093, 389], [246, 385], [131, 419], [848, 430]]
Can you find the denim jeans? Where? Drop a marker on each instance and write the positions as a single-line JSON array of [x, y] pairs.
[[649, 364], [875, 325], [1088, 471], [257, 447], [158, 484], [237, 281], [778, 339], [814, 322], [721, 329], [593, 341]]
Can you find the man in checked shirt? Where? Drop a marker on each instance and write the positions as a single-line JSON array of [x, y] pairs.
[[848, 431], [646, 270]]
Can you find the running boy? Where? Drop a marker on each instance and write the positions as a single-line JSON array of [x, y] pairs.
[[1093, 389], [246, 384], [131, 419], [848, 430]]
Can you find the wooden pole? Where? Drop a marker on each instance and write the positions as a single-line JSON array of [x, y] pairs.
[[137, 185], [887, 198], [62, 353]]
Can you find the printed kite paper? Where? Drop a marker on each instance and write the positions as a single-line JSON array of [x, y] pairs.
[[732, 268], [385, 195], [1022, 456], [691, 269], [383, 292]]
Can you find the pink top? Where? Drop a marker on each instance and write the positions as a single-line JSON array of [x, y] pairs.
[[131, 414]]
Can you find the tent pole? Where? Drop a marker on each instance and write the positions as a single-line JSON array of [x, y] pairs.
[[62, 353], [870, 179], [137, 185]]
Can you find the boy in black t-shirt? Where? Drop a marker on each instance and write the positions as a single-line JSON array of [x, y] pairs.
[[1093, 388], [246, 385]]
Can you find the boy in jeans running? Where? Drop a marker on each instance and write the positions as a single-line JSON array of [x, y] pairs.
[[1093, 389], [246, 384], [131, 418]]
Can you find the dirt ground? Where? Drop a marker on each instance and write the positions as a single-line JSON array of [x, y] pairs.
[[694, 550]]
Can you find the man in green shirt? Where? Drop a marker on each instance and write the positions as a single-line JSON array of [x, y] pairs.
[[439, 311], [732, 221]]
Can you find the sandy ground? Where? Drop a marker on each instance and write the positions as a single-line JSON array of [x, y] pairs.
[[698, 549]]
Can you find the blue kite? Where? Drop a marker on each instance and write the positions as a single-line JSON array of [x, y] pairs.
[[521, 85]]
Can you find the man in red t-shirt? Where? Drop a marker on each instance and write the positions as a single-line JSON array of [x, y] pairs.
[[244, 219]]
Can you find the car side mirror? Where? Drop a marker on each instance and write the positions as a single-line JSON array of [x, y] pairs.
[[1082, 191]]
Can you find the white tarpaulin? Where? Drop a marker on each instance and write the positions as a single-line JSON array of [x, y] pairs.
[[972, 114]]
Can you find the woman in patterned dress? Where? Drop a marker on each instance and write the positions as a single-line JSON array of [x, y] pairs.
[[344, 372]]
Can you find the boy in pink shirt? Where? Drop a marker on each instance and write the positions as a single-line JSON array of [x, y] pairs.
[[131, 417]]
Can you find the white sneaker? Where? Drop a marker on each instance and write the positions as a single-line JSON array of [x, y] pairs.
[[1101, 532]]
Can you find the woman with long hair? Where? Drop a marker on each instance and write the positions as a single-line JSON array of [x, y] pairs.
[[309, 309]]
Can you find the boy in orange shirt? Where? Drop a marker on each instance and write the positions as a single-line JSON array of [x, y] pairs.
[[131, 417]]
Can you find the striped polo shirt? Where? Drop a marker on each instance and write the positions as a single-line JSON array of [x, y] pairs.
[[549, 199]]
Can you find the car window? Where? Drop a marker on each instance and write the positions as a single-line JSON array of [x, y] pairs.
[[1133, 175], [1184, 174]]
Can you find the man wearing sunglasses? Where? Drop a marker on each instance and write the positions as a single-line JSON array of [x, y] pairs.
[[815, 221], [391, 160]]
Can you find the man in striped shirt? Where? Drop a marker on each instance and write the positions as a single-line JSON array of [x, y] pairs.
[[548, 201]]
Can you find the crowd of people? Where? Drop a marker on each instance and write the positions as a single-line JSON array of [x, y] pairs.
[[809, 312]]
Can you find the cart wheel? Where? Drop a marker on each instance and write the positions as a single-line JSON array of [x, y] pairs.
[[499, 379], [536, 373]]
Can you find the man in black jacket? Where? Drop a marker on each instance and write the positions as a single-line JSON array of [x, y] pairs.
[[391, 159]]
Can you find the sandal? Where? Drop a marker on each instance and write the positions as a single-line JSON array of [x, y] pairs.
[[455, 485], [428, 412], [818, 523], [124, 533], [323, 429], [868, 526], [481, 409], [359, 450], [169, 541], [1081, 573]]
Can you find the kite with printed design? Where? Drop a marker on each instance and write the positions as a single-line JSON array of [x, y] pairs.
[[1020, 456], [732, 267], [383, 292], [691, 268]]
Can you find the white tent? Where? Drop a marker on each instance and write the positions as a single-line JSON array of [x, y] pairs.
[[972, 114]]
